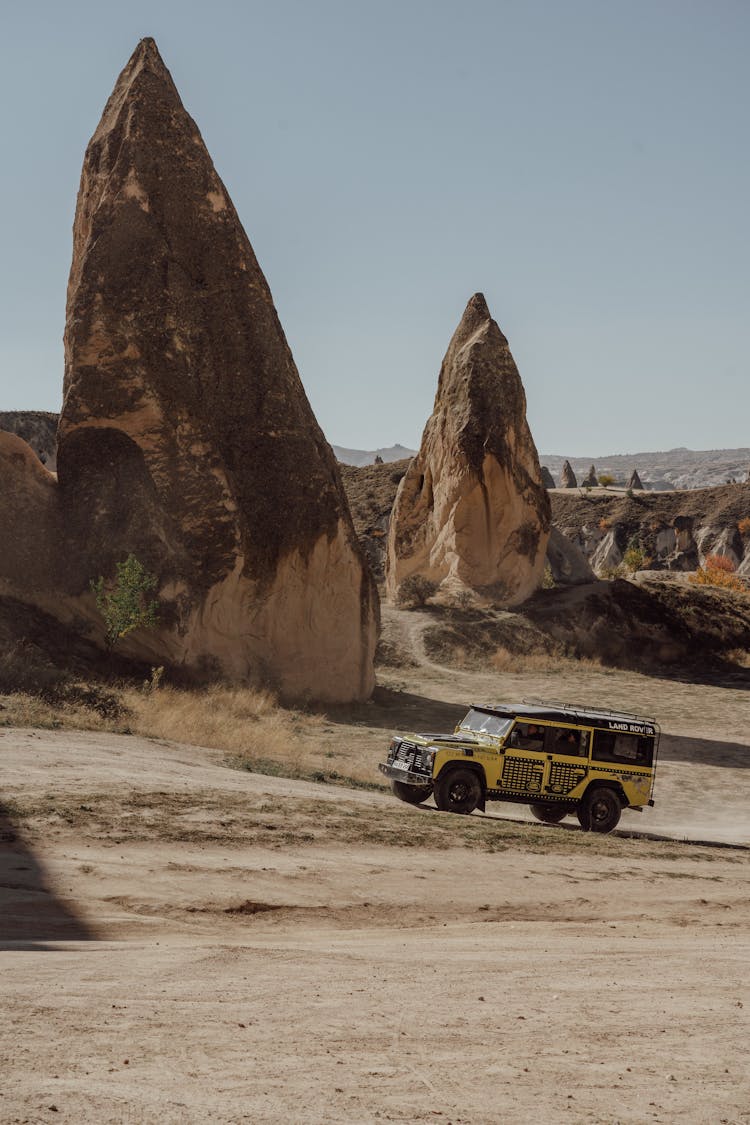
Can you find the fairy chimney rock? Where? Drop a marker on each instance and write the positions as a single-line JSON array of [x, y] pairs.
[[568, 477], [590, 480], [471, 511], [547, 479], [635, 481], [186, 436]]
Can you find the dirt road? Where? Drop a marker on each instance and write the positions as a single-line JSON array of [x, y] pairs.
[[181, 942]]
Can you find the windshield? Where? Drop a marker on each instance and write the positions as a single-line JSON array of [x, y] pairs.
[[482, 723]]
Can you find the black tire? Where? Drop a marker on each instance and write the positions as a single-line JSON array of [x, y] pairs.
[[458, 791], [549, 814], [412, 794], [599, 810]]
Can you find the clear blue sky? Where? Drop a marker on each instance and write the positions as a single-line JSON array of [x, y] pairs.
[[584, 163]]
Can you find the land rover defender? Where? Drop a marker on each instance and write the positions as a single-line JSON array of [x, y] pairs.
[[557, 758]]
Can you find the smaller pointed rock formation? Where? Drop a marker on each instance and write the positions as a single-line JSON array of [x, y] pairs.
[[471, 511], [635, 481], [568, 477], [547, 479], [590, 480]]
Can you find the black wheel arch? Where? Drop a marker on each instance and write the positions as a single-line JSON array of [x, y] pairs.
[[475, 767]]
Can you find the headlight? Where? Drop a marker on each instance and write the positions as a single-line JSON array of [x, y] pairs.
[[428, 757]]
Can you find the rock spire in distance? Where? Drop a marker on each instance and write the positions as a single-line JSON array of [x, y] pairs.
[[471, 511]]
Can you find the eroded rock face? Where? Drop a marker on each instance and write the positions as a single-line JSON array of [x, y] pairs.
[[186, 436], [635, 481], [568, 477], [567, 562], [471, 510], [590, 480], [547, 479]]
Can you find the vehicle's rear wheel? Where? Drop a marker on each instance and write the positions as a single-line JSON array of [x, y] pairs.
[[549, 814], [412, 794], [458, 791], [599, 810]]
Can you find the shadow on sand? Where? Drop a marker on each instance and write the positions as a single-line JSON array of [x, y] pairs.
[[30, 912], [704, 752], [393, 710]]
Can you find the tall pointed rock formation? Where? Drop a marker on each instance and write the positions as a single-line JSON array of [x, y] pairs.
[[471, 510], [186, 436], [568, 477]]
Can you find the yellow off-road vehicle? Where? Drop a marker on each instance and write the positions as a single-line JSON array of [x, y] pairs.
[[554, 757]]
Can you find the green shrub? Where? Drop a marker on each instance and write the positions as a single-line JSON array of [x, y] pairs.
[[124, 601]]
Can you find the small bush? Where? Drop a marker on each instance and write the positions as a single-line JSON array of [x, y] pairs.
[[124, 602], [744, 526], [606, 479], [548, 578], [635, 558], [415, 591], [605, 523], [718, 570]]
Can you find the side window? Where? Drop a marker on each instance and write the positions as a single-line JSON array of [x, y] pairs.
[[527, 736], [566, 740], [628, 749]]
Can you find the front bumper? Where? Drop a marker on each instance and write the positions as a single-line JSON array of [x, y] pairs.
[[408, 777]]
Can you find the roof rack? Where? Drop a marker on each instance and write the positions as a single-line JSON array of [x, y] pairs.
[[558, 706]]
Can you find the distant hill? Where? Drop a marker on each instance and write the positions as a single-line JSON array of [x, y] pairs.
[[360, 457], [675, 468]]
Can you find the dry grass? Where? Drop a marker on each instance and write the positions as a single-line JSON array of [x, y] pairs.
[[255, 732], [22, 710]]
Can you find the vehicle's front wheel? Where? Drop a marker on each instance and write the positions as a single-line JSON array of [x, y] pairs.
[[549, 814], [412, 794], [458, 791], [599, 810]]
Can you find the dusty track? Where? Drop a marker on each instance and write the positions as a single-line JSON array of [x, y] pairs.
[[183, 942]]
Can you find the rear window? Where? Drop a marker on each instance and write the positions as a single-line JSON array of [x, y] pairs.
[[627, 749]]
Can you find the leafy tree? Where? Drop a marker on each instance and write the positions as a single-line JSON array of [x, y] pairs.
[[606, 479], [124, 601]]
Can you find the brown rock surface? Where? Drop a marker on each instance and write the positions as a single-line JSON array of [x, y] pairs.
[[38, 428], [471, 510], [185, 434], [547, 479], [568, 477]]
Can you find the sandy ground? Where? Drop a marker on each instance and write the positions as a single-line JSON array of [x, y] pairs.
[[182, 942]]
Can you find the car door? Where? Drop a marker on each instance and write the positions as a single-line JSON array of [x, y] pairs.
[[524, 761], [567, 759]]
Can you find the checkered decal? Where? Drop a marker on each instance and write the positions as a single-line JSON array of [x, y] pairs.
[[563, 778], [522, 774]]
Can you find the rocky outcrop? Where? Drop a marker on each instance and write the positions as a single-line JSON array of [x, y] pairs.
[[635, 481], [568, 477], [471, 511], [185, 435], [38, 428], [567, 562], [590, 480], [548, 480]]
